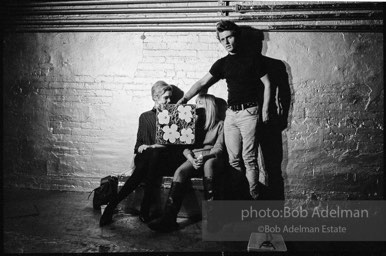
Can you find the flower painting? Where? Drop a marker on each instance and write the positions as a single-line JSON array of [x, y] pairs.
[[176, 124], [163, 117], [185, 113], [187, 135], [170, 133]]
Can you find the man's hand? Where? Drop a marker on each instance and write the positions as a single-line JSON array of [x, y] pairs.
[[142, 148], [265, 116], [183, 100]]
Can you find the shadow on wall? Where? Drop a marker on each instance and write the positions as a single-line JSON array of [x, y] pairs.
[[270, 135]]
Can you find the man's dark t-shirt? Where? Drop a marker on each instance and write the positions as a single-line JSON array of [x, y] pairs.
[[242, 73]]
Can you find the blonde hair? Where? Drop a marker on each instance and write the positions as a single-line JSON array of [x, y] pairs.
[[210, 110], [159, 88]]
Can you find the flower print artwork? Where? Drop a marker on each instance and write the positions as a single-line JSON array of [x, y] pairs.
[[170, 133], [187, 135], [163, 117], [185, 113], [176, 124]]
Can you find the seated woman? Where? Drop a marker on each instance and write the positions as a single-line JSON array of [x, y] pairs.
[[206, 157], [147, 160]]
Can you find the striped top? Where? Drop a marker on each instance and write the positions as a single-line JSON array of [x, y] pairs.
[[146, 129]]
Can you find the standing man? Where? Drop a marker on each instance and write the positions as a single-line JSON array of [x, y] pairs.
[[242, 72]]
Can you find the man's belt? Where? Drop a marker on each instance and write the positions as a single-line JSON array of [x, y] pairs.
[[243, 106]]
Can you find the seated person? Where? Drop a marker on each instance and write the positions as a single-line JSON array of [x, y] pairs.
[[206, 157], [149, 159]]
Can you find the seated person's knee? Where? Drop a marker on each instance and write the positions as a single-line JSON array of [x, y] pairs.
[[180, 175]]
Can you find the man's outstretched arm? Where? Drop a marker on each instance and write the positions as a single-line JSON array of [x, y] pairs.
[[207, 81]]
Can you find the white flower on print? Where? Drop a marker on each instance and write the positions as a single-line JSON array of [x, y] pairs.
[[187, 135], [185, 113], [170, 133], [163, 117]]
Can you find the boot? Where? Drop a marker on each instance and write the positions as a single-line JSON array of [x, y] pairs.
[[208, 188], [149, 195], [213, 224], [107, 216], [128, 187], [168, 221]]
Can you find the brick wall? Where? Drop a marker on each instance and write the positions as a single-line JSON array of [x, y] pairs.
[[72, 100]]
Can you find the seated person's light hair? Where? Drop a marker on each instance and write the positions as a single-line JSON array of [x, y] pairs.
[[211, 111], [159, 88]]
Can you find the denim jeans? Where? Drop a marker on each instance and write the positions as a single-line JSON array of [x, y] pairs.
[[240, 140]]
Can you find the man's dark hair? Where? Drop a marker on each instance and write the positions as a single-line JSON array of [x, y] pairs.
[[228, 25]]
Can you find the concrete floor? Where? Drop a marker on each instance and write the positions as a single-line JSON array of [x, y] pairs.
[[36, 221], [65, 222]]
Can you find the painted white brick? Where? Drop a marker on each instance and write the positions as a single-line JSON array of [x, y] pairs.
[[154, 59], [155, 66], [148, 73], [156, 45]]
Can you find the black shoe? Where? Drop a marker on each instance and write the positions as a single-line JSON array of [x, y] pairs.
[[105, 219], [167, 222], [144, 218], [107, 216], [163, 224]]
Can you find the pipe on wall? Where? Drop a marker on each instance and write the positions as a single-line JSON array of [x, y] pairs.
[[356, 16], [242, 8], [193, 9], [206, 28], [310, 7], [201, 9], [206, 19], [108, 2]]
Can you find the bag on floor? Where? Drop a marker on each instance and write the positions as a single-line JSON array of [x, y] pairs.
[[105, 192]]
